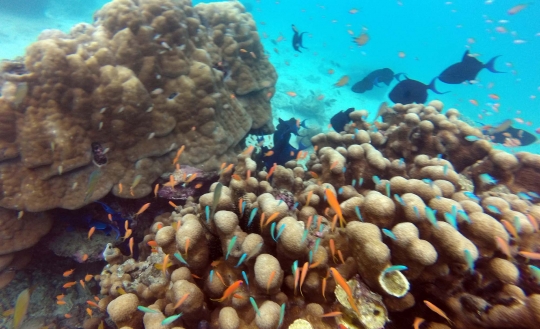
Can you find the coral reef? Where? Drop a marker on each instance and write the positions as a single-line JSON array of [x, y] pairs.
[[127, 91], [382, 220]]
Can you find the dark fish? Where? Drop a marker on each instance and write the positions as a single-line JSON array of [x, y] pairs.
[[466, 70], [282, 150], [340, 119], [297, 39], [410, 91], [385, 76], [525, 137]]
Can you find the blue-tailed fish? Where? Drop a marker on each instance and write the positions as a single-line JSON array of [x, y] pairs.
[[252, 215], [430, 214], [464, 215], [21, 306], [255, 307], [487, 179], [389, 234], [180, 258], [387, 187], [215, 201], [230, 246], [400, 200], [469, 259], [358, 214], [241, 260], [394, 268], [416, 212], [451, 219], [493, 209], [535, 271], [207, 213], [244, 275], [171, 319], [280, 230], [376, 180], [360, 181], [471, 195], [92, 184], [147, 310], [281, 315]]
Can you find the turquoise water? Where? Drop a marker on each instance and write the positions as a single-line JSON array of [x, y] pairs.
[[431, 37]]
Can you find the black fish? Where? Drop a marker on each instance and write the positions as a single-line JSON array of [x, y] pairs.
[[282, 150], [525, 137], [297, 39], [385, 75], [410, 91], [466, 70], [340, 119]]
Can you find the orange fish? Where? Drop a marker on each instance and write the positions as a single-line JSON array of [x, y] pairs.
[[92, 303], [340, 255], [516, 9], [143, 208], [270, 280], [418, 322], [332, 201], [152, 243], [323, 287], [362, 39], [91, 231], [69, 284], [510, 228], [81, 282], [120, 188], [291, 93], [164, 264], [236, 177], [271, 171], [67, 316], [305, 269], [533, 222], [60, 297], [530, 255], [84, 257], [494, 96], [198, 185], [60, 302], [187, 246], [68, 273], [271, 218], [88, 277], [89, 311], [437, 310], [331, 314], [333, 249], [178, 153], [342, 81], [229, 291], [473, 102], [341, 281], [269, 153], [181, 300]]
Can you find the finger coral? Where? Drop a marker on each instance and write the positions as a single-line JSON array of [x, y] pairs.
[[385, 225]]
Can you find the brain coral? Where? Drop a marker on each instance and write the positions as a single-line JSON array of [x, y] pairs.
[[127, 91]]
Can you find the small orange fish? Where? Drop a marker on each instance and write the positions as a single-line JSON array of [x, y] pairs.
[[178, 153], [340, 255], [314, 174], [110, 217], [181, 300], [314, 265], [164, 264], [291, 93], [229, 291], [334, 164], [242, 50], [296, 279], [332, 201], [69, 284], [271, 171], [220, 277], [152, 243], [60, 297], [333, 249], [67, 316], [341, 281], [533, 222], [331, 314], [88, 277], [342, 81], [81, 282], [91, 231], [68, 272], [143, 208], [120, 188], [473, 102], [92, 303], [269, 153], [172, 204], [305, 269], [494, 96], [236, 177], [128, 234], [198, 185], [89, 311], [437, 310], [60, 302], [84, 257], [530, 255], [516, 9], [418, 322], [510, 228], [271, 218], [270, 281], [323, 287], [187, 246]]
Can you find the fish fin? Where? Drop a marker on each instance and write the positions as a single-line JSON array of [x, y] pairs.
[[376, 82], [490, 65], [465, 56], [431, 87], [397, 75]]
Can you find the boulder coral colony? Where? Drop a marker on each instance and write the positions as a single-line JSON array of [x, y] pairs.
[[387, 224]]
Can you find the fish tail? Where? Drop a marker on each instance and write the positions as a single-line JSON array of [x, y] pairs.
[[431, 86], [490, 65]]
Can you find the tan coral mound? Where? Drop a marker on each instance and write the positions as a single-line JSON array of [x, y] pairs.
[[147, 77]]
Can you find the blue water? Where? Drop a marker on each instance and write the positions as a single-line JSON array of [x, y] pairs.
[[431, 35]]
